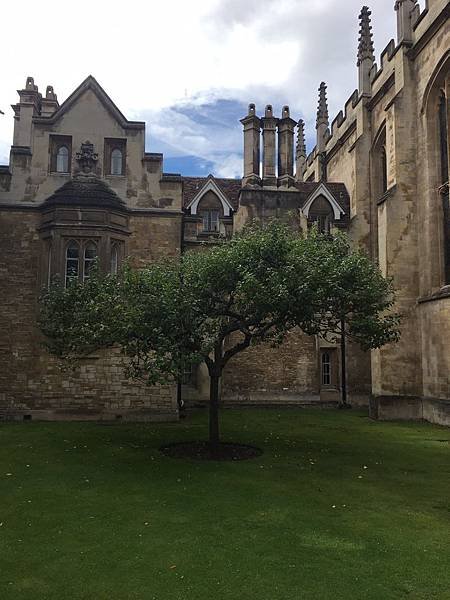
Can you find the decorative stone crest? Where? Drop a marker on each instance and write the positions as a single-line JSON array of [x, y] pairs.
[[87, 158]]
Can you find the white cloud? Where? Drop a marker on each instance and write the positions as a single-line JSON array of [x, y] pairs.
[[154, 55]]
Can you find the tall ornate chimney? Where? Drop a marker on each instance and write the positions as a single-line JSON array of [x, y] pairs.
[[252, 126], [269, 125], [286, 149]]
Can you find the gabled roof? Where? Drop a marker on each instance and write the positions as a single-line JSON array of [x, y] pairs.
[[85, 190], [195, 186], [90, 83], [322, 190]]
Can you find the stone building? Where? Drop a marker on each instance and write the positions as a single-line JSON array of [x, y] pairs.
[[81, 187]]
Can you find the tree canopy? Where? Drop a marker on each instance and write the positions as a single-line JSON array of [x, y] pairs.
[[210, 305]]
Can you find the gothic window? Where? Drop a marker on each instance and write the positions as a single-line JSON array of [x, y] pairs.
[[116, 162], [60, 150], [321, 215], [114, 266], [210, 220], [90, 256], [383, 169], [326, 368], [443, 136], [380, 165], [443, 178], [62, 160], [72, 262], [114, 156]]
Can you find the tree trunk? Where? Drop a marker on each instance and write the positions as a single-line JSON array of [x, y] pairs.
[[214, 410], [343, 368]]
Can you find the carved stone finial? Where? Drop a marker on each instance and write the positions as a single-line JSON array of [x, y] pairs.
[[285, 113], [322, 111], [50, 93], [251, 110], [29, 85], [301, 143], [365, 42], [268, 111], [87, 158]]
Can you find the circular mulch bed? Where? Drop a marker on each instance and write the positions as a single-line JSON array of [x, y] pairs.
[[203, 451]]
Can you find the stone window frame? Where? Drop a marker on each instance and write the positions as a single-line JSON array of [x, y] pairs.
[[380, 167], [326, 368], [82, 261], [56, 142], [444, 138], [333, 362], [439, 203], [111, 144], [117, 250]]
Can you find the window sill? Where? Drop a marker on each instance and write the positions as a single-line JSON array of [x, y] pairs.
[[444, 292], [60, 173], [110, 175]]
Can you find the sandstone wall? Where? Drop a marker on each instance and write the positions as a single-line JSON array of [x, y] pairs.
[[31, 381]]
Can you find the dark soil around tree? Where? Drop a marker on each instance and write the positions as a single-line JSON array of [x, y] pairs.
[[204, 451]]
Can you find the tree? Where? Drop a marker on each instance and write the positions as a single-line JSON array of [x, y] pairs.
[[210, 305]]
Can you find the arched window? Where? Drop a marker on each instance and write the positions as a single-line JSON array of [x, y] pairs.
[[62, 160], [383, 169], [114, 259], [90, 256], [116, 162], [72, 262], [443, 177], [326, 368], [380, 164], [443, 136]]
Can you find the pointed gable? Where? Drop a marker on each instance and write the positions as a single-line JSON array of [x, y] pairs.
[[91, 84]]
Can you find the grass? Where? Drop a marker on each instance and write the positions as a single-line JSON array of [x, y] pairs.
[[338, 507]]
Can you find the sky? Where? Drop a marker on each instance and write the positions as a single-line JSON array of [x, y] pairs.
[[189, 69]]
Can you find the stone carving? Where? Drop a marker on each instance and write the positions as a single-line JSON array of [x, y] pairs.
[[87, 158]]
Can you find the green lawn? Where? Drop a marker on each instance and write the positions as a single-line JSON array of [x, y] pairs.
[[338, 507]]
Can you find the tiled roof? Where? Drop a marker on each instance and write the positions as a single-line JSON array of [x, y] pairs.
[[230, 188], [85, 190], [338, 190]]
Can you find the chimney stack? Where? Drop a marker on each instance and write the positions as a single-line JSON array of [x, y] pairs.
[[252, 126], [366, 55], [286, 127], [29, 106], [49, 103], [269, 126]]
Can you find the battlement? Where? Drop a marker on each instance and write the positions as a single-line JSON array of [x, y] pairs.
[[374, 80]]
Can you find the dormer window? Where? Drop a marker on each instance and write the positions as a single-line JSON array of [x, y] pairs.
[[115, 156], [60, 151], [321, 215], [116, 162]]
